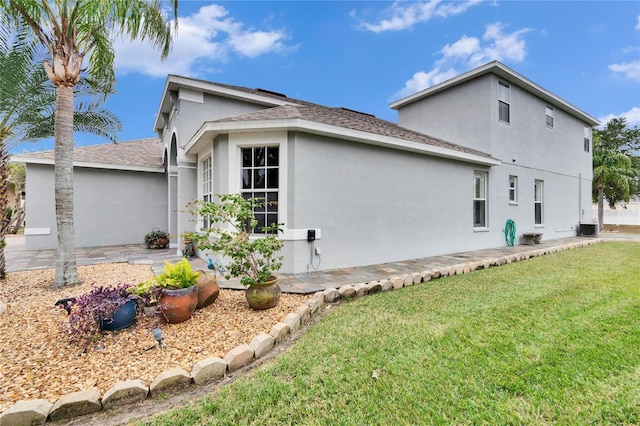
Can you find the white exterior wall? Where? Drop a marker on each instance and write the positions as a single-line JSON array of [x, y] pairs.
[[367, 204], [527, 147], [111, 207], [193, 109]]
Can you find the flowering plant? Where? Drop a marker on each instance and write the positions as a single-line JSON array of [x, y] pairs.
[[89, 311]]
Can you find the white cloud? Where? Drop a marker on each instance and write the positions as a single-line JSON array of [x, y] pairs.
[[256, 43], [638, 24], [630, 70], [469, 52], [208, 35], [421, 80], [403, 16], [632, 116]]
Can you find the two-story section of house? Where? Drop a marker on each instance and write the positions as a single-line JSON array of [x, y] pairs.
[[544, 143]]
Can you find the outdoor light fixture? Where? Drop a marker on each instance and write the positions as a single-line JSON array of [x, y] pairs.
[[157, 334]]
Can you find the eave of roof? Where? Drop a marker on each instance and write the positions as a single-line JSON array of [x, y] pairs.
[[176, 82], [507, 74], [144, 155], [290, 121]]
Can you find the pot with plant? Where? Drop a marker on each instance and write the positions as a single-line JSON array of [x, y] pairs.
[[147, 294], [179, 296], [156, 239], [102, 308], [253, 258]]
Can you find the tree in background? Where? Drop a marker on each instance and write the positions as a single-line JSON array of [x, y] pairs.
[[79, 38], [616, 164], [27, 109]]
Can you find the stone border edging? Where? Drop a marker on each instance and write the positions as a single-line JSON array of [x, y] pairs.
[[75, 404]]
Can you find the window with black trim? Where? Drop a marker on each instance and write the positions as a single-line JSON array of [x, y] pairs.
[[260, 180]]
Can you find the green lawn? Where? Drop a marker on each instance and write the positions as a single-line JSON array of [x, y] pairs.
[[551, 340]]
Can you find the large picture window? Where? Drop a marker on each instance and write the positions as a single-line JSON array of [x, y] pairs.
[[261, 180], [504, 102], [538, 201], [479, 199]]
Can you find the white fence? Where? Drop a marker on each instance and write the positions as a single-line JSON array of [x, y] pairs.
[[625, 214]]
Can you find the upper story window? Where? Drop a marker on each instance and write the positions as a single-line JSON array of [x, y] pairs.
[[207, 187], [587, 139], [513, 189], [479, 199], [504, 102], [260, 180], [549, 113], [538, 191]]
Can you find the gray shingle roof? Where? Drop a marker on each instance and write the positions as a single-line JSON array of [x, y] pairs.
[[288, 108], [349, 119], [133, 153]]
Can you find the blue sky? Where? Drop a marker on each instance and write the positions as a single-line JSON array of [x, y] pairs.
[[364, 54]]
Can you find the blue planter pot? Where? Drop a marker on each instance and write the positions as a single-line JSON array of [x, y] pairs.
[[122, 318]]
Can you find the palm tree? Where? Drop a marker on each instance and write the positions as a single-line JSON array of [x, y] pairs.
[[27, 106], [613, 173], [75, 31]]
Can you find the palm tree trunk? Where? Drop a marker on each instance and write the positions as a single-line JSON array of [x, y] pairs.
[[4, 201], [600, 207], [66, 271]]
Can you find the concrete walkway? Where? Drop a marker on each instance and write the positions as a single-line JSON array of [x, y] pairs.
[[19, 259]]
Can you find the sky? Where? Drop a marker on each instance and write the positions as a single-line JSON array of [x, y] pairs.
[[363, 55]]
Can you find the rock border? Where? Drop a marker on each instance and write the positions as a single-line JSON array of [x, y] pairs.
[[75, 404]]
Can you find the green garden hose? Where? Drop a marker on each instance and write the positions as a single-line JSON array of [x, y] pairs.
[[510, 232]]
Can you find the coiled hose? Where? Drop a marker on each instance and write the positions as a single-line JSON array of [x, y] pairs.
[[510, 232]]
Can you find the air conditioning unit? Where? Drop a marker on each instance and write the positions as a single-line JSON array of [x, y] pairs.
[[588, 230]]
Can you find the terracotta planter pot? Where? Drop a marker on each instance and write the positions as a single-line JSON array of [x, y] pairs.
[[178, 305], [263, 296], [208, 290]]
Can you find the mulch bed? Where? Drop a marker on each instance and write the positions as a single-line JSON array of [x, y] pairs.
[[37, 360]]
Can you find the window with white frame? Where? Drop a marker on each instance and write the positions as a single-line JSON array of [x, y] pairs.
[[513, 189], [260, 180], [538, 202], [207, 187], [504, 102], [479, 199], [587, 139], [550, 116]]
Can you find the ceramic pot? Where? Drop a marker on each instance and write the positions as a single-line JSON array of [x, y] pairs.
[[208, 290], [122, 318], [178, 305], [263, 296]]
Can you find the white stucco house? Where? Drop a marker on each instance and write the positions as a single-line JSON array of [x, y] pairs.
[[465, 156]]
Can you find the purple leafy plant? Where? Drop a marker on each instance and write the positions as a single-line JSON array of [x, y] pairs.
[[91, 309]]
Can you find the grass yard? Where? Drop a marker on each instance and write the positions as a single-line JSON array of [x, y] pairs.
[[551, 340]]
